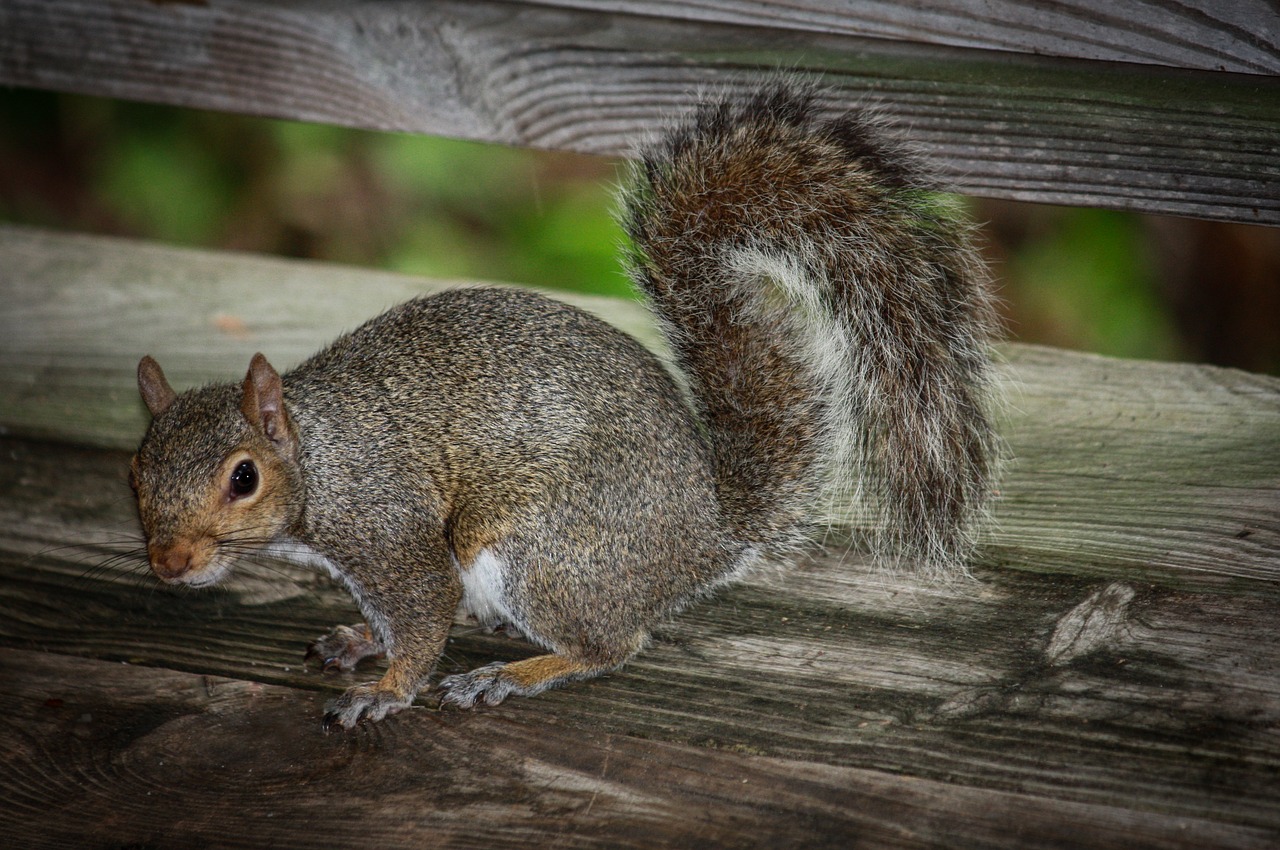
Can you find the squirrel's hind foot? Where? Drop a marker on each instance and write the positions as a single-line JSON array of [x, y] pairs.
[[495, 682], [345, 647]]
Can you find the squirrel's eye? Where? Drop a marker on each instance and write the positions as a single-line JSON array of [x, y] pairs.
[[244, 479]]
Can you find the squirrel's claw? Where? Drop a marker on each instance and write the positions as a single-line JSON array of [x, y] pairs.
[[363, 702], [344, 647], [464, 689]]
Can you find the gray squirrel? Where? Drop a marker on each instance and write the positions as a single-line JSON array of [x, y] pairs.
[[494, 450]]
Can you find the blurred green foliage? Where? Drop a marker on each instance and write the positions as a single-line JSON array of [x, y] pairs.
[[1087, 283], [419, 205], [445, 208]]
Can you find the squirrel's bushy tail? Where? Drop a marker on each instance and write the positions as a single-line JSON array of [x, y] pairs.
[[832, 319]]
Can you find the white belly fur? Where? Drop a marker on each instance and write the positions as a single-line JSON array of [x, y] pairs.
[[483, 586], [484, 590]]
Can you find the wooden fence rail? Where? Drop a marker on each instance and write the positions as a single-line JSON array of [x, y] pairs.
[[1171, 137]]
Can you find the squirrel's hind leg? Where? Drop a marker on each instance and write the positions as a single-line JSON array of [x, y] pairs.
[[495, 682]]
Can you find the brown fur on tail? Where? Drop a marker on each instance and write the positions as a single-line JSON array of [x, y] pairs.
[[852, 322]]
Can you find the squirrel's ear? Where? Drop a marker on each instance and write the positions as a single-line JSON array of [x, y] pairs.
[[155, 389], [263, 401]]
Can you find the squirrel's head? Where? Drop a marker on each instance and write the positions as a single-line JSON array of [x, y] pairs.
[[217, 474]]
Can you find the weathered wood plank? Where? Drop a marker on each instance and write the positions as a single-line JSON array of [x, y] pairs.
[[1125, 470], [996, 123], [1165, 471], [77, 309], [1202, 34], [98, 754], [1111, 696]]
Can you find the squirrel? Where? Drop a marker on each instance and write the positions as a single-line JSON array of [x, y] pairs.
[[493, 451]]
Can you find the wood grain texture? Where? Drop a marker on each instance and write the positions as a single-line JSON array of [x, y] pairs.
[[1168, 471], [1051, 697], [1241, 36], [995, 122], [1124, 470], [149, 757]]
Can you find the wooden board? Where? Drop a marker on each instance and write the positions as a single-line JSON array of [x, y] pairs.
[[100, 754], [1123, 470], [834, 700], [1201, 34], [1108, 680], [995, 122]]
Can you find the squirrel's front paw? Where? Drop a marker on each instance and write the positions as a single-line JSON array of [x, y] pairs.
[[363, 702], [489, 681], [345, 647]]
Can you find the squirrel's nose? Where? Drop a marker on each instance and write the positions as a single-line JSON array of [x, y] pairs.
[[172, 562]]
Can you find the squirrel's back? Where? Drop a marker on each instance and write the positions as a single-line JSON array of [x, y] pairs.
[[488, 390]]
